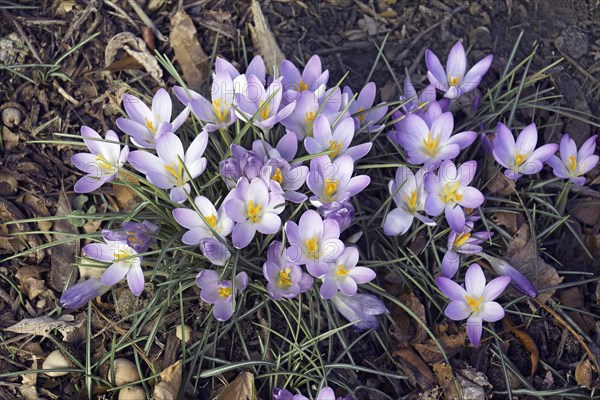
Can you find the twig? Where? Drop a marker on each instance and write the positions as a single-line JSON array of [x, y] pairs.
[[26, 39], [146, 19], [122, 13]]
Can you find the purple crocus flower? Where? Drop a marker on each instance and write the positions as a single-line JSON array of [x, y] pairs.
[[344, 275], [418, 103], [476, 303], [326, 393], [246, 163], [449, 192], [341, 212], [217, 113], [220, 293], [172, 169], [134, 234], [255, 96], [81, 293], [432, 145], [253, 208], [142, 124], [360, 308], [311, 79], [256, 67], [204, 223], [364, 119], [337, 142], [519, 281], [285, 178], [124, 261], [314, 242], [102, 164], [572, 164], [453, 81], [409, 195], [332, 180], [286, 148], [285, 279], [466, 242], [521, 158]]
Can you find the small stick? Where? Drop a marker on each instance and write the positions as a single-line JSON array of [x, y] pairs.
[[26, 39], [146, 19]]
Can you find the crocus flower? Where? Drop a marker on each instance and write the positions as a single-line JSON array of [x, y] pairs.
[[81, 293], [521, 158], [449, 192], [474, 302], [217, 113], [308, 107], [220, 293], [332, 180], [124, 261], [311, 78], [255, 98], [572, 164], [205, 223], [285, 279], [360, 308], [102, 164], [341, 212], [432, 145], [253, 208], [337, 142], [136, 235], [142, 124], [286, 148], [256, 67], [314, 242], [409, 195], [466, 242], [365, 116], [326, 393], [519, 281], [422, 100], [287, 178], [172, 169], [344, 275], [453, 81]]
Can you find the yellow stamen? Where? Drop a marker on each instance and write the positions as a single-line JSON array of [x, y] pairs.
[[331, 186], [411, 201], [361, 116], [453, 80], [430, 145], [309, 118], [224, 292], [150, 125], [253, 211], [176, 171], [312, 245], [277, 176], [283, 279], [461, 239], [104, 164], [221, 109], [303, 85], [341, 271], [121, 255], [336, 147], [474, 303], [520, 158], [264, 113], [211, 220], [572, 164], [450, 194]]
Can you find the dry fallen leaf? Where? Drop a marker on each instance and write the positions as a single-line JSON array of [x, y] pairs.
[[125, 198], [170, 383], [29, 382], [526, 340], [241, 388], [38, 208], [506, 219], [473, 384], [422, 372], [451, 343], [136, 48], [264, 40], [500, 184], [583, 373], [11, 240], [189, 54], [445, 379], [42, 326], [62, 255], [408, 330]]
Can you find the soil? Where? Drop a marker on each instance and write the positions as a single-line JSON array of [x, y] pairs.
[[345, 33]]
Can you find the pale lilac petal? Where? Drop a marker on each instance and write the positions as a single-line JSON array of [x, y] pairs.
[[160, 178], [216, 252], [543, 153], [527, 139], [197, 147], [587, 164], [181, 118], [358, 152], [269, 223], [87, 163], [348, 286], [492, 312], [135, 279], [462, 139], [95, 142], [451, 289], [137, 131], [357, 184], [436, 74], [87, 184], [206, 278], [328, 289], [136, 109], [187, 218], [567, 147], [450, 264], [196, 235], [312, 70], [471, 197], [504, 146], [456, 218], [311, 224], [287, 147], [179, 194], [457, 310], [162, 106], [434, 205], [466, 172], [143, 161], [114, 274], [99, 251], [474, 75], [443, 126], [223, 310], [257, 68], [587, 148], [474, 330], [243, 232], [397, 222], [457, 62], [475, 281], [495, 288], [170, 148], [362, 274]]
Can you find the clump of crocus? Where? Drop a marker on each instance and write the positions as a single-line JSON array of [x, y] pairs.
[[220, 293], [309, 106], [332, 180], [360, 308], [475, 301], [344, 275], [408, 192], [134, 234], [285, 278], [520, 157], [337, 141], [287, 178], [143, 122], [242, 163], [341, 212], [449, 191], [124, 260], [326, 393], [102, 164], [81, 293], [172, 168], [311, 79], [573, 164], [467, 242], [453, 81]]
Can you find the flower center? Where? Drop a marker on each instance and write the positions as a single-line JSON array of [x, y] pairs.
[[211, 220], [474, 303], [303, 86], [341, 271], [453, 80], [461, 239], [520, 158], [150, 125], [450, 195], [572, 163], [221, 109], [224, 292], [430, 144], [277, 176], [104, 165], [331, 186], [411, 201], [309, 117], [312, 245], [176, 171], [336, 147], [283, 278], [254, 211], [266, 109], [124, 257], [361, 115]]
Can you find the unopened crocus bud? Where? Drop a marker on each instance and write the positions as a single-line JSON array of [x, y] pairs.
[[78, 295], [341, 212], [360, 308], [519, 281], [230, 171]]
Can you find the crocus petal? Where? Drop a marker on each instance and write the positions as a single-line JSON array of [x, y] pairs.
[[362, 274], [451, 289], [450, 264], [474, 75], [99, 251], [587, 148], [543, 153], [456, 218], [492, 312], [326, 394], [223, 310], [527, 139], [397, 222], [162, 105], [434, 205], [87, 163], [474, 330], [243, 232], [504, 146], [471, 197], [436, 74], [348, 286], [136, 109], [475, 280], [113, 274], [135, 279], [587, 164], [462, 139], [269, 223], [87, 184], [457, 62], [495, 288], [457, 310]]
